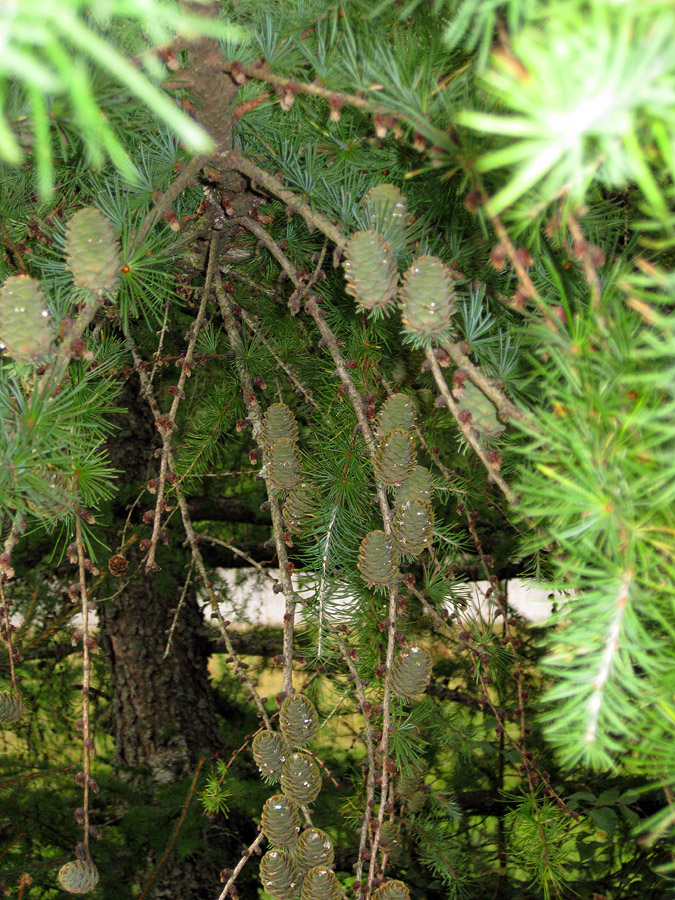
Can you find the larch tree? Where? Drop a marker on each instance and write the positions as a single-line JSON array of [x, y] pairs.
[[377, 298]]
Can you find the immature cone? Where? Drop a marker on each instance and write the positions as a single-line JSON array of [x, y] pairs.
[[370, 270], [279, 422], [11, 706], [283, 463], [413, 526], [410, 782], [320, 883], [483, 411], [387, 213], [300, 507], [391, 890], [378, 562], [78, 877], [279, 874], [314, 848], [25, 334], [269, 752], [395, 458], [280, 821], [390, 841], [397, 413], [426, 297], [418, 485], [411, 673], [417, 802], [92, 253], [298, 720], [301, 779]]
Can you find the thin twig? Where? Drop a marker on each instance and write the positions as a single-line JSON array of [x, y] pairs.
[[271, 245], [57, 365], [370, 750], [465, 427], [527, 285], [256, 328], [176, 831], [246, 855], [249, 559], [14, 250], [174, 622], [165, 424], [164, 202], [162, 334], [505, 408], [331, 342], [260, 72], [147, 392], [255, 415], [86, 678]]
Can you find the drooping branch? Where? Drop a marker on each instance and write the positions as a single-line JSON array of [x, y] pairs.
[[255, 415], [146, 390], [465, 427], [166, 424], [86, 679], [331, 342]]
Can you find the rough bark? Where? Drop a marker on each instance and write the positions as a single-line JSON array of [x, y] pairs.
[[163, 710]]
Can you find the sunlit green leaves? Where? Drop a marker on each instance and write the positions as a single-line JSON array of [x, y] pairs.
[[587, 96], [34, 35]]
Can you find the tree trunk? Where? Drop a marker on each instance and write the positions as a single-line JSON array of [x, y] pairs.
[[163, 711]]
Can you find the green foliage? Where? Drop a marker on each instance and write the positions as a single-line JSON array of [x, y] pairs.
[[34, 56], [386, 142], [538, 834], [215, 794]]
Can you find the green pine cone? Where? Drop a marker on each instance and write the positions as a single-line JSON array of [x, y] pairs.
[[378, 562], [314, 848], [370, 270], [300, 507], [300, 779], [483, 411], [410, 782], [298, 720], [25, 334], [270, 751], [320, 883], [413, 526], [279, 874], [279, 422], [78, 877], [284, 464], [390, 841], [280, 821], [397, 414], [426, 297], [387, 213], [92, 253], [395, 458], [391, 890], [411, 673], [418, 485], [11, 706], [417, 802]]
